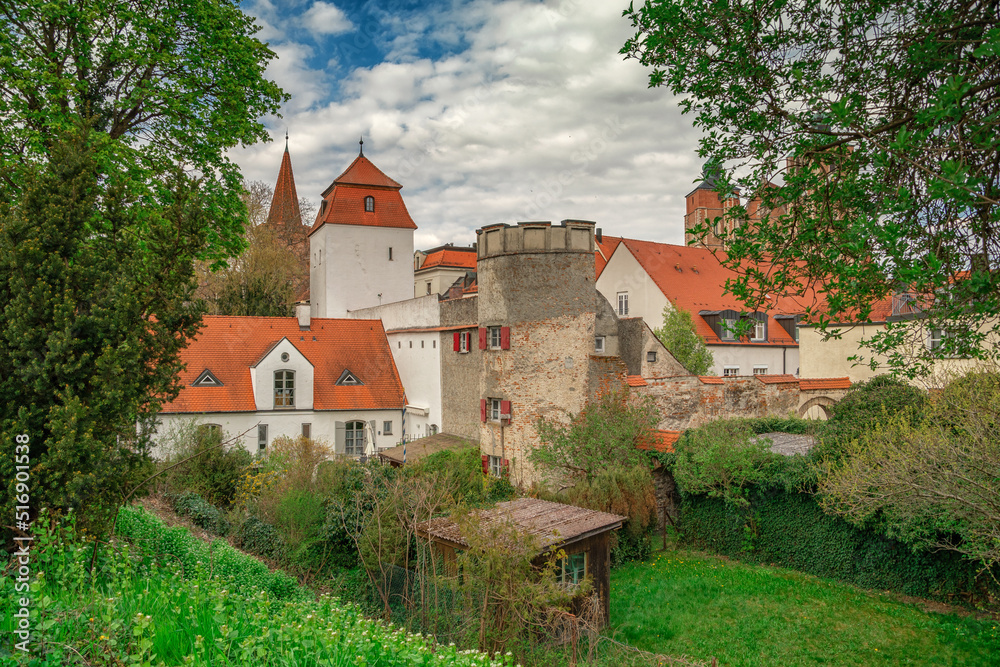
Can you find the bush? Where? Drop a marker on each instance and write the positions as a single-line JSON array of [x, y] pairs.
[[260, 538], [868, 403], [201, 513], [213, 473], [460, 471]]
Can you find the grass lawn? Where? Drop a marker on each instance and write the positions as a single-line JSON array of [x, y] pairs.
[[681, 602]]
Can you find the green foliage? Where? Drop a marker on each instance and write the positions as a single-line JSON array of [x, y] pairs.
[[260, 538], [867, 404], [929, 479], [93, 321], [791, 530], [723, 459], [161, 84], [213, 473], [679, 336], [202, 514], [608, 429], [867, 133], [142, 609], [460, 471]]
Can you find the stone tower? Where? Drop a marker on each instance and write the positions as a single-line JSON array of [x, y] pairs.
[[537, 311]]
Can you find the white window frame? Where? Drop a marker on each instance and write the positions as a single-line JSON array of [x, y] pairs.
[[463, 342], [730, 371], [352, 438], [759, 369], [495, 337], [495, 409], [622, 304], [284, 396], [387, 428], [598, 343], [935, 338], [495, 465], [759, 331], [428, 288], [261, 437], [727, 325]]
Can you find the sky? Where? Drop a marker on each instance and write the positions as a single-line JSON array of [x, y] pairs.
[[484, 111]]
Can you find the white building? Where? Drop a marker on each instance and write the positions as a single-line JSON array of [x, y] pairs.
[[265, 377]]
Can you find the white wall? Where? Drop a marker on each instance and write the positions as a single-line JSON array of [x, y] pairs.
[[262, 377], [423, 311], [282, 422], [351, 267], [624, 274], [747, 356], [418, 360]]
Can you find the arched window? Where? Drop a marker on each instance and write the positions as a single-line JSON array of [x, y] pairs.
[[354, 441], [369, 203], [284, 389]]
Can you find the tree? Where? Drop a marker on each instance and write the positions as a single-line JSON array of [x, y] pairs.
[[929, 480], [92, 324], [678, 335], [867, 133], [160, 83]]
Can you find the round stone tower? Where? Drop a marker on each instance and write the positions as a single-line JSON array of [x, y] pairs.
[[537, 309]]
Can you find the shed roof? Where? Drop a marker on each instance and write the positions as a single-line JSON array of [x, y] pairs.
[[418, 449], [555, 524]]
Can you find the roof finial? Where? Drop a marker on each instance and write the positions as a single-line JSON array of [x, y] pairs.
[[286, 139], [362, 144]]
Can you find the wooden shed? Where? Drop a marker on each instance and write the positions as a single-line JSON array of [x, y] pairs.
[[583, 534]]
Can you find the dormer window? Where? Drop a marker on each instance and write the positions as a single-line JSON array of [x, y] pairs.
[[206, 379], [369, 204], [348, 379], [284, 390]]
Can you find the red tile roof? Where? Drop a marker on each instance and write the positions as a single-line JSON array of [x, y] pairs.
[[813, 384], [693, 279], [344, 201], [603, 251], [777, 379], [710, 379], [285, 202], [661, 441], [457, 259], [228, 346], [636, 381]]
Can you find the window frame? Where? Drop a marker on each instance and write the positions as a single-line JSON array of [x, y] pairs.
[[759, 369], [599, 344], [387, 427], [261, 437], [759, 331], [287, 391], [369, 204], [726, 327], [495, 465], [351, 437], [494, 340], [650, 356], [307, 430], [565, 566], [622, 304], [496, 409], [464, 340], [727, 374]]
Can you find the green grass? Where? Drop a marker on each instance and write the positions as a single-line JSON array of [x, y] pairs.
[[681, 602]]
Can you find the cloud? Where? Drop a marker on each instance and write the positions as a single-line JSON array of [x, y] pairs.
[[325, 18], [527, 112]]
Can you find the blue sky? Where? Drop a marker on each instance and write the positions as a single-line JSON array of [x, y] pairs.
[[484, 111]]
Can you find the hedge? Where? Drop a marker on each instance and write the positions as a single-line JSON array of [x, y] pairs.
[[790, 530]]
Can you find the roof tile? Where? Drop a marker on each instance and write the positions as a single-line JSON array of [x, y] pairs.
[[812, 384], [636, 381], [661, 441]]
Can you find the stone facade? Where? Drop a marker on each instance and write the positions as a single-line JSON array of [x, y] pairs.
[[460, 370]]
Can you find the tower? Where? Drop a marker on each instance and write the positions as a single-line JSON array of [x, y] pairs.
[[284, 221], [361, 245], [703, 206]]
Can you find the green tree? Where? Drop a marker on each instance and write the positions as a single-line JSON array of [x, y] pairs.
[[868, 133], [92, 324], [164, 83], [678, 335]]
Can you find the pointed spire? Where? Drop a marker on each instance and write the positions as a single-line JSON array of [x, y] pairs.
[[285, 202], [362, 143]]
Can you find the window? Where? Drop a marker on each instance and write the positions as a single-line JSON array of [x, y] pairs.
[[465, 337], [759, 330], [572, 569], [494, 338], [387, 428], [210, 433], [369, 204], [651, 356], [728, 326], [428, 288], [434, 344], [421, 345], [599, 344], [284, 356], [495, 466], [261, 437], [495, 409], [623, 303], [354, 438], [390, 253], [307, 430], [730, 371], [935, 338], [284, 389], [760, 370]]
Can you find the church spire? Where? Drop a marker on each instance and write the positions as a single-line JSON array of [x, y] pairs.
[[285, 202], [361, 151]]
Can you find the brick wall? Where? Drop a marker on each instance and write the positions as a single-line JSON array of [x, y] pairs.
[[687, 401]]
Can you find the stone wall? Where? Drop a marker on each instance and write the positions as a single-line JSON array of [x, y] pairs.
[[460, 371]]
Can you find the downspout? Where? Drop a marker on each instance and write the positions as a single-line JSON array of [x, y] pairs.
[[403, 420]]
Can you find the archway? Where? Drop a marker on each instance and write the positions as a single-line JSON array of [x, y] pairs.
[[821, 402]]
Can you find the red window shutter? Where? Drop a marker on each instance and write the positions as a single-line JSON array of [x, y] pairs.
[[486, 464], [482, 338], [505, 408], [505, 467], [482, 409], [504, 338], [458, 341]]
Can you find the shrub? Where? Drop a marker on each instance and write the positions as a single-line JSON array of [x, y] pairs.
[[260, 538], [214, 472], [868, 403], [202, 514], [460, 471]]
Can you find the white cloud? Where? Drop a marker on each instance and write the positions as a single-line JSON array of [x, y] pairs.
[[539, 118], [325, 18]]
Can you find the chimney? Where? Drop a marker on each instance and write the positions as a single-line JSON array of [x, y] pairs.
[[599, 235], [302, 312]]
